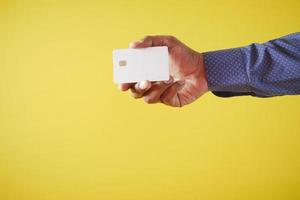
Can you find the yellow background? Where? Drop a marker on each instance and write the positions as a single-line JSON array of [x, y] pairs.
[[67, 132]]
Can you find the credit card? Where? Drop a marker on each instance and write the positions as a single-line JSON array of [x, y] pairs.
[[136, 65]]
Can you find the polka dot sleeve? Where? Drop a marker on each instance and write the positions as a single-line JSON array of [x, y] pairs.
[[263, 70]]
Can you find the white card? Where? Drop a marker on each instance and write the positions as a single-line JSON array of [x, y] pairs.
[[136, 65]]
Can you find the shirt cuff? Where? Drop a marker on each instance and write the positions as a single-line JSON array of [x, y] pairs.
[[226, 72]]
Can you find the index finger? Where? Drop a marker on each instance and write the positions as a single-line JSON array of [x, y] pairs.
[[125, 86]]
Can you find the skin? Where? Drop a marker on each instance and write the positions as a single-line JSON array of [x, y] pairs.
[[187, 75]]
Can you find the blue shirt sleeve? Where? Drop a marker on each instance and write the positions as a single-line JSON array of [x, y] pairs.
[[262, 70]]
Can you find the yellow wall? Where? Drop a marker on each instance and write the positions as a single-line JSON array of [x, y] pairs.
[[67, 132]]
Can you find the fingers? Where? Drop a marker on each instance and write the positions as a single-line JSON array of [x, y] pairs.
[[162, 91], [170, 97], [141, 44], [138, 90], [151, 41], [125, 86], [157, 89]]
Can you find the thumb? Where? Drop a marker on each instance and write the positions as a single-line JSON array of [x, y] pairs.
[[152, 41]]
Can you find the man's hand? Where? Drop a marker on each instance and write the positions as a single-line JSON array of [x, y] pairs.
[[187, 75]]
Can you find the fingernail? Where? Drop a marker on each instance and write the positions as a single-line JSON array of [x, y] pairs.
[[169, 81], [143, 85]]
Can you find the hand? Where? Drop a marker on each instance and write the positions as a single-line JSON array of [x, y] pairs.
[[187, 75]]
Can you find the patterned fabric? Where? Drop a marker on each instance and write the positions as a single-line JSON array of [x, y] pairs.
[[262, 70]]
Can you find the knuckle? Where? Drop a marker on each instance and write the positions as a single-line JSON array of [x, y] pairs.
[[136, 89], [147, 37], [171, 38], [136, 95], [149, 100]]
